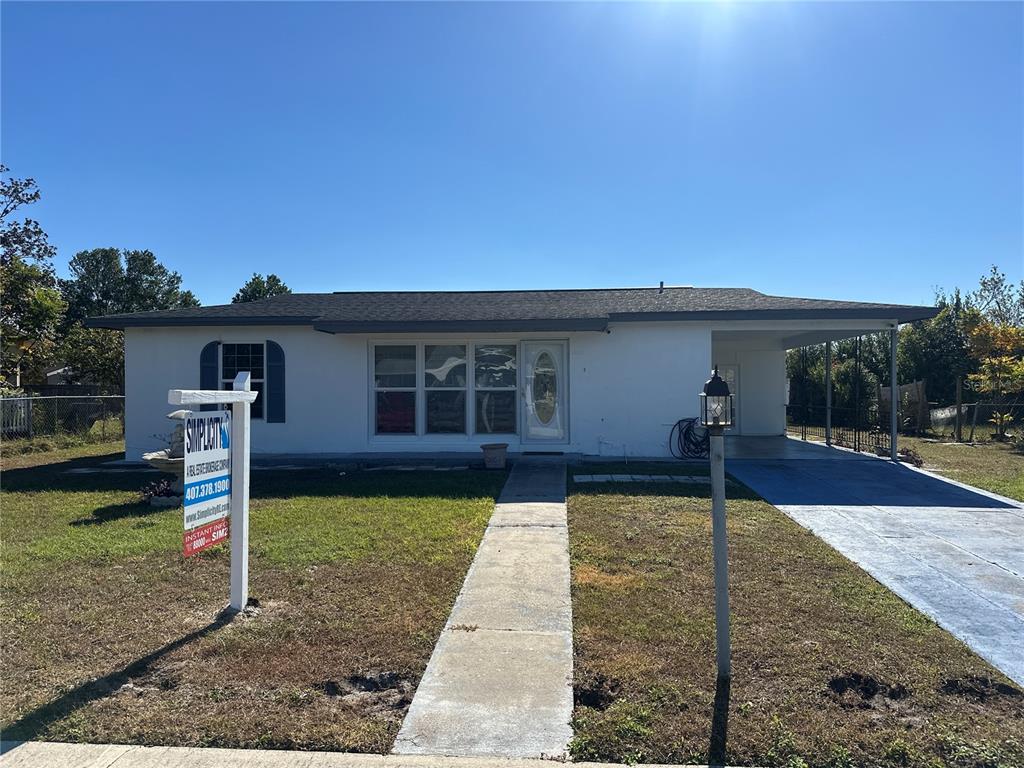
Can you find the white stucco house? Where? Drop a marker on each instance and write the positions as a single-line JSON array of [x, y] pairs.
[[595, 372]]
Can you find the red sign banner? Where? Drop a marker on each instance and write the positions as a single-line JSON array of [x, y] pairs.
[[205, 536]]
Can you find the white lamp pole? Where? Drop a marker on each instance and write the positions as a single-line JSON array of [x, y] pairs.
[[721, 551], [716, 415]]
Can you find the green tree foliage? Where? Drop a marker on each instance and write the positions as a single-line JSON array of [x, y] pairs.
[[107, 281], [938, 350], [30, 303], [259, 288], [999, 300]]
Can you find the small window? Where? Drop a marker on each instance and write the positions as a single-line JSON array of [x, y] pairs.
[[245, 357], [495, 377], [444, 379], [394, 381]]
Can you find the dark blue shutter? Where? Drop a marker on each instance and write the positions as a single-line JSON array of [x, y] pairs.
[[274, 388], [209, 370]]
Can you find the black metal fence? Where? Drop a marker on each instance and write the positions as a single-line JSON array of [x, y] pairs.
[[864, 429], [94, 418]]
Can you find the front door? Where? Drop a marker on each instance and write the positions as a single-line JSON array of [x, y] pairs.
[[545, 392]]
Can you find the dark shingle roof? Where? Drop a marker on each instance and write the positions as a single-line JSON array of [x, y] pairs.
[[588, 309]]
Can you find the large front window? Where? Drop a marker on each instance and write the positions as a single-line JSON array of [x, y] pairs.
[[496, 378], [394, 382], [461, 388], [444, 379], [244, 357]]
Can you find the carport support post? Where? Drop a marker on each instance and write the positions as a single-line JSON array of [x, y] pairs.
[[894, 393], [720, 550], [828, 393], [240, 496]]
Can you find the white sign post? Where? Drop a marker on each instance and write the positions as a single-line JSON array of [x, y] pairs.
[[240, 397]]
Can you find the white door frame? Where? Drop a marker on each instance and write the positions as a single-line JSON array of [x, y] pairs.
[[561, 392]]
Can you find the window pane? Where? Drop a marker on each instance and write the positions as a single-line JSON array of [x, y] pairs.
[[496, 365], [495, 412], [396, 413], [444, 366], [446, 412], [256, 409], [256, 361], [242, 357], [394, 366]]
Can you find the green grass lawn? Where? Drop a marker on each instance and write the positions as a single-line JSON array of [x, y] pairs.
[[830, 668], [993, 466], [110, 635]]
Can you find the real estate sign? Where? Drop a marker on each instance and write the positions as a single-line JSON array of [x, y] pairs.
[[207, 479]]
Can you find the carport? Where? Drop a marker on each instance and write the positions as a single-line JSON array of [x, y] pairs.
[[951, 551]]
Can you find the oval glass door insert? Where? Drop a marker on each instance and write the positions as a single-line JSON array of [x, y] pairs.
[[545, 388]]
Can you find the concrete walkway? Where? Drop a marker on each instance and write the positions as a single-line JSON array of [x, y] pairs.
[[499, 682], [952, 551]]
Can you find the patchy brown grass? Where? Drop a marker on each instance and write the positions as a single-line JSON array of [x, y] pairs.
[[994, 466], [830, 668], [110, 635]]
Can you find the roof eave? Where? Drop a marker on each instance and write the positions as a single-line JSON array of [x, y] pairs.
[[462, 326], [902, 314], [113, 322]]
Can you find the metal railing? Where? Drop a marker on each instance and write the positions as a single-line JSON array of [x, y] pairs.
[[864, 429], [91, 418]]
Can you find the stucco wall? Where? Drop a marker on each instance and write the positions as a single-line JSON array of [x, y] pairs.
[[626, 388], [761, 400]]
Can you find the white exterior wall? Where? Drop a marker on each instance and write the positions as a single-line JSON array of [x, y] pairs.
[[626, 388], [761, 399]]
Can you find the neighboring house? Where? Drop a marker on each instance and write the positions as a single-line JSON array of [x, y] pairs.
[[598, 372]]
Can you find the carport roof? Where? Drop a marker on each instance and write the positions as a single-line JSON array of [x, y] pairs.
[[545, 310]]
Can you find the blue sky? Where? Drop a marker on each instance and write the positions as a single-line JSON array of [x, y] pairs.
[[860, 150]]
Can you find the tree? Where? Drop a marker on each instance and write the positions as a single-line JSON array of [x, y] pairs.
[[106, 281], [999, 350], [999, 300], [30, 303], [257, 288], [938, 350]]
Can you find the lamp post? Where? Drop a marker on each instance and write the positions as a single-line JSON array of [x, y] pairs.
[[716, 413]]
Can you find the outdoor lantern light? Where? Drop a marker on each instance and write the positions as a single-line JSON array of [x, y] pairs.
[[716, 402]]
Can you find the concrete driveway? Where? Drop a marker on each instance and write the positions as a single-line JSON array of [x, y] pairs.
[[953, 552]]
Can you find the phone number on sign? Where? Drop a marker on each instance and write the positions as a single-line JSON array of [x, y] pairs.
[[207, 489]]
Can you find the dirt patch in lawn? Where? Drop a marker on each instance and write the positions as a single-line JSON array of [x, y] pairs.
[[830, 668], [111, 636]]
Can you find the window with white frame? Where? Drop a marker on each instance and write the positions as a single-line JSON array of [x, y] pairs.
[[394, 384], [245, 357], [495, 378], [444, 382], [461, 388]]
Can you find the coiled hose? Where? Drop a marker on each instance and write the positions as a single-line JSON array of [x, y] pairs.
[[689, 440]]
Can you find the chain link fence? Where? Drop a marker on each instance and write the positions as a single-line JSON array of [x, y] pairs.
[[978, 421], [96, 418]]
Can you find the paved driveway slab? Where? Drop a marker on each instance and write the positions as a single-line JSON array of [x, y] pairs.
[[953, 552]]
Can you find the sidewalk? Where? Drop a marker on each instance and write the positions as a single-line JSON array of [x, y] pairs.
[[499, 682], [41, 754]]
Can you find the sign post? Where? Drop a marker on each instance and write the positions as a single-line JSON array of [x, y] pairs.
[[240, 496], [217, 475]]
